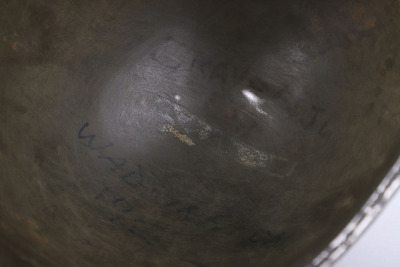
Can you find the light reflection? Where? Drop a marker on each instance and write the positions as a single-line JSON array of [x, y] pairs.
[[255, 101]]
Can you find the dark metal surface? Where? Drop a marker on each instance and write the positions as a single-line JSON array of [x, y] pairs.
[[191, 133]]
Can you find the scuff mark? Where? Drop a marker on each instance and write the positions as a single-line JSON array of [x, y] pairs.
[[251, 157], [187, 127], [183, 137], [187, 121], [205, 131], [254, 158]]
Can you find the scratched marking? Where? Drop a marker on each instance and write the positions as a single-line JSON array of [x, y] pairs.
[[132, 178], [51, 212], [170, 53], [187, 127]]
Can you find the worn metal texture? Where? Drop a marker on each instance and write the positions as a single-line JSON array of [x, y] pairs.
[[191, 133]]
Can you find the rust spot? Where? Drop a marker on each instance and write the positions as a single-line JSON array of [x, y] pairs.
[[16, 216], [15, 46], [316, 23], [366, 23], [370, 23], [352, 37], [294, 148], [4, 38], [39, 238], [32, 224], [359, 13], [3, 225], [280, 152]]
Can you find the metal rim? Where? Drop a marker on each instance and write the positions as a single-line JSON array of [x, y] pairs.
[[360, 222]]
